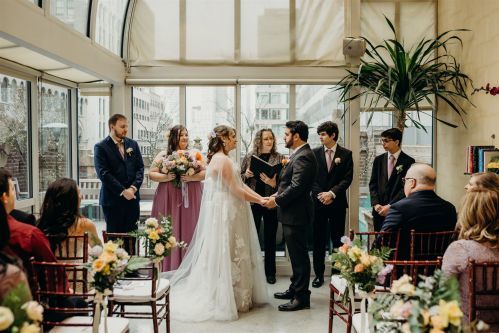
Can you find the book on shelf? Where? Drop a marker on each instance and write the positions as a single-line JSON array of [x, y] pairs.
[[257, 166]]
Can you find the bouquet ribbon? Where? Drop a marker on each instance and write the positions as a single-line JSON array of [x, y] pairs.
[[100, 301], [185, 194], [363, 305]]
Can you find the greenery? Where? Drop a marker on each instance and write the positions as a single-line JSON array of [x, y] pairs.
[[18, 313], [405, 78]]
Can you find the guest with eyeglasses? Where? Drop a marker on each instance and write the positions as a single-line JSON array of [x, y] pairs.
[[385, 186], [422, 209]]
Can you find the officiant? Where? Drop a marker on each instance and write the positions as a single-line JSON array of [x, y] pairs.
[[264, 147]]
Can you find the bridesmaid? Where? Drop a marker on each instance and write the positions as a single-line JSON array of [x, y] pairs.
[[181, 204]]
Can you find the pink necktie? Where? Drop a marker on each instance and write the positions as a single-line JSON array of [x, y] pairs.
[[391, 164], [121, 149], [329, 159]]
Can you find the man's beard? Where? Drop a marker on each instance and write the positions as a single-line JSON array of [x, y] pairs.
[[289, 143]]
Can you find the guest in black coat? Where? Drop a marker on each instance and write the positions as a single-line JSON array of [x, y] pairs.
[[385, 186], [334, 176], [422, 210]]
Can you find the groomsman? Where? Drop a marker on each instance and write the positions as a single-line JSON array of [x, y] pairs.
[[334, 176], [120, 168], [386, 185]]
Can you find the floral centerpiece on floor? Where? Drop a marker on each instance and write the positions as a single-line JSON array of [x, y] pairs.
[[362, 269], [432, 306], [19, 316], [107, 264], [181, 162], [159, 239]]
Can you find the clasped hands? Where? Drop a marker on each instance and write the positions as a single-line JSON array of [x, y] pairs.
[[382, 210], [326, 198], [268, 202], [129, 193]]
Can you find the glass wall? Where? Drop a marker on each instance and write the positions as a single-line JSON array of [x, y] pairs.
[[55, 134], [15, 135], [109, 24], [72, 12]]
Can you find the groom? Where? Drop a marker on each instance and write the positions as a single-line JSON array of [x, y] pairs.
[[120, 168], [295, 211]]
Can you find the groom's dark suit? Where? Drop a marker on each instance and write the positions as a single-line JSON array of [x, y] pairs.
[[118, 173], [295, 211], [384, 190], [336, 180]]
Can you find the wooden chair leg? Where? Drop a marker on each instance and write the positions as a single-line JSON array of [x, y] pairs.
[[154, 317], [167, 308], [331, 312]]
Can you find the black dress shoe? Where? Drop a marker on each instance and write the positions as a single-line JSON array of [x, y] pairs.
[[288, 294], [271, 279], [294, 305], [317, 282]]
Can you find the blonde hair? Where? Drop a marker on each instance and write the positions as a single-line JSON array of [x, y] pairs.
[[479, 217], [487, 180]]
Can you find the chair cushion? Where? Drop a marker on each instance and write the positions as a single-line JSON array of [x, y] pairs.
[[114, 325], [356, 322], [140, 291]]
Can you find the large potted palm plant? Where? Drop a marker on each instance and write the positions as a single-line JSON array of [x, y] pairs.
[[406, 78]]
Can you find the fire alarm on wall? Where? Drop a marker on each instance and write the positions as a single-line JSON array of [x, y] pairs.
[[354, 47]]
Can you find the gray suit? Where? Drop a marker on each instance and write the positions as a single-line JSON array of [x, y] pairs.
[[295, 211]]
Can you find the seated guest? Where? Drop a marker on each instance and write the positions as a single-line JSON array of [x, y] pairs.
[[483, 180], [23, 217], [478, 240], [422, 209], [25, 241], [60, 216], [11, 272]]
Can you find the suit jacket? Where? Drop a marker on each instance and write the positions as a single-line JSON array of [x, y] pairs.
[[295, 205], [385, 191], [423, 211], [23, 217], [337, 180], [115, 172]]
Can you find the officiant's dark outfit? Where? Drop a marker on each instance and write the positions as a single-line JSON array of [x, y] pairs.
[[269, 216], [295, 210], [334, 175]]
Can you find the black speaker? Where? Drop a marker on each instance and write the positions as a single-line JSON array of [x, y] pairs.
[[354, 47]]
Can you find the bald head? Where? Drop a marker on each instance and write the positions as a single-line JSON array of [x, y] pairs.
[[419, 177]]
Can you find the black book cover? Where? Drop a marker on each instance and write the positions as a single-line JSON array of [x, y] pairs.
[[257, 166]]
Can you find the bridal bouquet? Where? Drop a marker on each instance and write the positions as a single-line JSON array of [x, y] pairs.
[[159, 239], [360, 268], [181, 162], [18, 317], [431, 307]]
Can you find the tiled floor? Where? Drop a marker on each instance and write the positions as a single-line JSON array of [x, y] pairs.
[[265, 319]]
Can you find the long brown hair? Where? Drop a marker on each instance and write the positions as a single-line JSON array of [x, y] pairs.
[[479, 217], [487, 180], [258, 142], [216, 140], [174, 138]]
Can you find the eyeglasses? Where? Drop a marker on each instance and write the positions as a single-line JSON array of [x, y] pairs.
[[385, 140], [407, 178]]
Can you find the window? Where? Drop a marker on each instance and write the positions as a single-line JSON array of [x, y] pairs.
[[109, 24], [72, 12], [15, 133], [54, 138]]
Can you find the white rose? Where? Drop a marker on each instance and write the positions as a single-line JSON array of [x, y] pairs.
[[403, 286], [6, 318], [337, 160], [159, 249], [172, 241], [96, 251], [152, 223], [33, 310], [30, 328], [122, 254], [190, 172]]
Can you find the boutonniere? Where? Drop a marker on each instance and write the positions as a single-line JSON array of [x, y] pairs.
[[129, 151], [284, 162], [337, 160], [399, 168]]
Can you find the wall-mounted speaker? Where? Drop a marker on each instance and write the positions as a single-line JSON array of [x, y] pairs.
[[354, 47]]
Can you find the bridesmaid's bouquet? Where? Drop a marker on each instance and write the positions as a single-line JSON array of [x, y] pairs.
[[181, 162], [159, 239]]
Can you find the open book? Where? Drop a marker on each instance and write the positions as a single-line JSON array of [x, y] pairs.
[[257, 166]]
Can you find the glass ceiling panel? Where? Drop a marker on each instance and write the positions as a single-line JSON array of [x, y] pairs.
[[109, 24], [72, 12]]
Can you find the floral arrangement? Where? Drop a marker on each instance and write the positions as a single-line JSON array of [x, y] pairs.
[[432, 306], [159, 238], [16, 316], [488, 90], [181, 162], [360, 268]]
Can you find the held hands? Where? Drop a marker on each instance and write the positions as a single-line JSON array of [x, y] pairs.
[[129, 193], [249, 173], [270, 203], [272, 182], [326, 198]]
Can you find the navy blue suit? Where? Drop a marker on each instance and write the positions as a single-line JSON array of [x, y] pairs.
[[117, 174]]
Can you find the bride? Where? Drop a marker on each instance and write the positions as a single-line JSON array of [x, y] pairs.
[[222, 273]]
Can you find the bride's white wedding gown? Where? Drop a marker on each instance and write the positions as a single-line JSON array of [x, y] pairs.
[[222, 273]]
